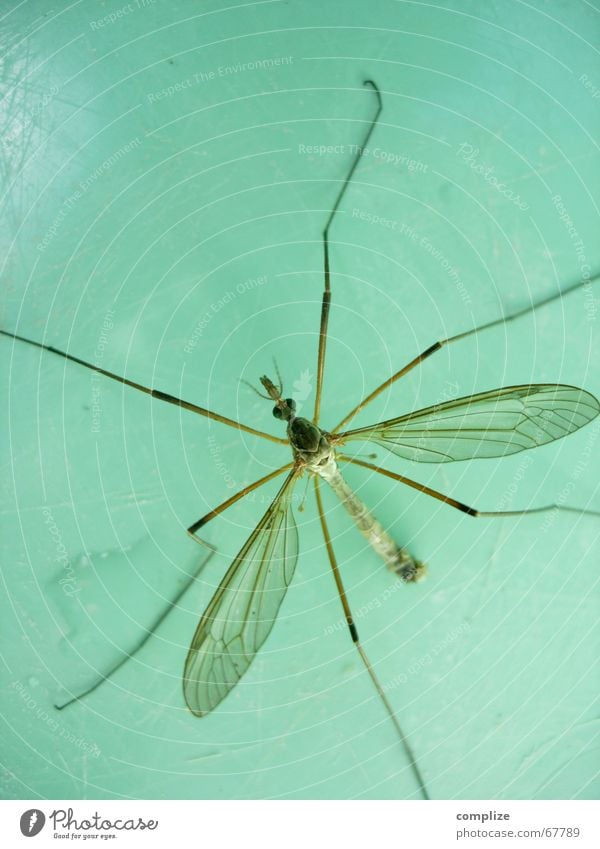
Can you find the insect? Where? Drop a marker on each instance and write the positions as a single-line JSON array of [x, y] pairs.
[[496, 423]]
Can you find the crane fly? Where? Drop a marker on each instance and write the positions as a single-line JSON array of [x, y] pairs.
[[497, 423]]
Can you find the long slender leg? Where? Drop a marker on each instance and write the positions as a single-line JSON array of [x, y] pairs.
[[142, 642], [327, 291], [355, 639], [458, 505], [211, 515], [174, 601], [437, 346], [154, 393]]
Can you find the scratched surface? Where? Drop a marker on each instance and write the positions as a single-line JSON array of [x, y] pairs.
[[166, 177]]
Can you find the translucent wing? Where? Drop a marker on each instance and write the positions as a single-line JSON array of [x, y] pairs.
[[491, 424], [242, 611]]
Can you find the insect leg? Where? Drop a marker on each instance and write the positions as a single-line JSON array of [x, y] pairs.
[[154, 393], [327, 291], [442, 343], [173, 602], [222, 507], [355, 639], [458, 505]]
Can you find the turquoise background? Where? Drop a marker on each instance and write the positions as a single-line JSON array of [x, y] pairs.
[[147, 177]]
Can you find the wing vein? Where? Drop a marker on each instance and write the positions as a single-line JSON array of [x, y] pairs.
[[242, 611], [491, 424]]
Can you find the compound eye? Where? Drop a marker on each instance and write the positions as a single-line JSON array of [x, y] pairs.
[[291, 404], [277, 412]]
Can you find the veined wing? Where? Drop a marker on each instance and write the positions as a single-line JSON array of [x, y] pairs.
[[242, 611], [490, 424]]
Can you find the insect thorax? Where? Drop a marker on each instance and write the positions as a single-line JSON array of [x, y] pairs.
[[309, 443]]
